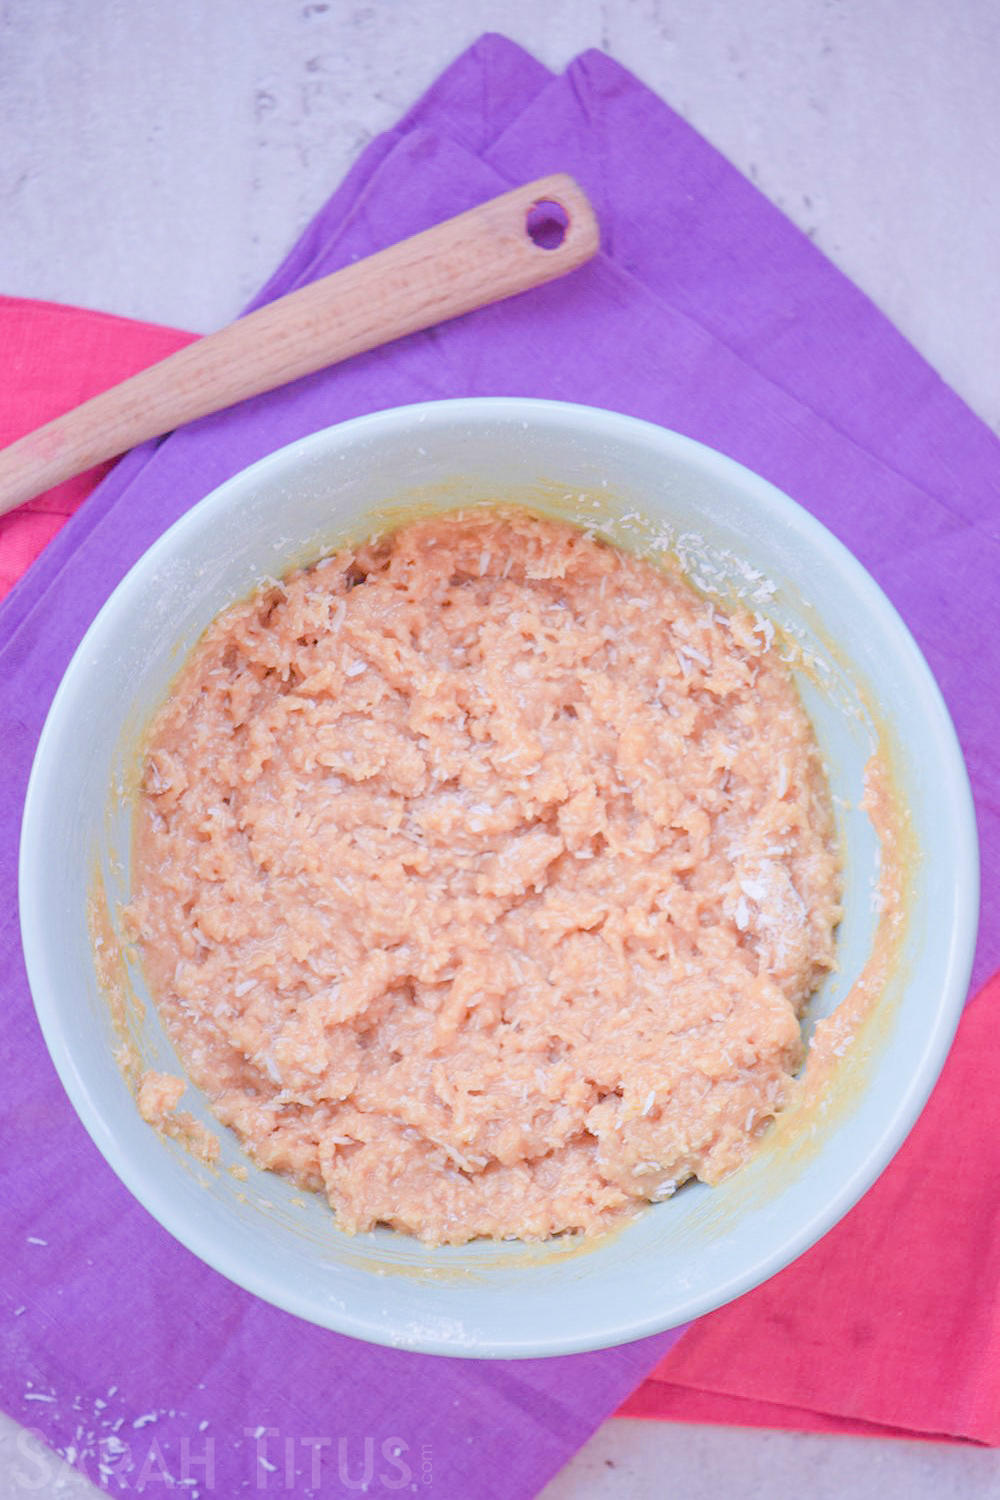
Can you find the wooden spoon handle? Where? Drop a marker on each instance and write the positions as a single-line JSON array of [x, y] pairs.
[[467, 262]]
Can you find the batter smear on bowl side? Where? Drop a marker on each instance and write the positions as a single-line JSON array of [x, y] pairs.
[[482, 876]]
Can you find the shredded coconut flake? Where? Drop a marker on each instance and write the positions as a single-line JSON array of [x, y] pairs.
[[552, 796]]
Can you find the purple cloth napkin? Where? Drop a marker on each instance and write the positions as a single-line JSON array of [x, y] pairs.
[[707, 312]]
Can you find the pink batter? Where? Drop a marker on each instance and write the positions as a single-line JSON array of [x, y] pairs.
[[482, 877]]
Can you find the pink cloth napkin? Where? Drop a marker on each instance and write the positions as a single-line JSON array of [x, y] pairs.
[[54, 358]]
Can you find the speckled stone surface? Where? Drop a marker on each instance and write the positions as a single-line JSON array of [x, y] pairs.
[[157, 162]]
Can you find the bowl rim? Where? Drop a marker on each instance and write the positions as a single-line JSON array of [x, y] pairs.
[[962, 918]]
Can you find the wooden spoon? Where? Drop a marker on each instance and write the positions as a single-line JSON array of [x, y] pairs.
[[523, 238]]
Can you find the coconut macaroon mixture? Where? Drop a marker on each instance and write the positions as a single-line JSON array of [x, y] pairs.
[[482, 876]]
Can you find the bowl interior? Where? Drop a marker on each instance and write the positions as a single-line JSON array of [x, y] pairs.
[[866, 687]]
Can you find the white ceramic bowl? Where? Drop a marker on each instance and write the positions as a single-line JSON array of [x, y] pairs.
[[736, 534]]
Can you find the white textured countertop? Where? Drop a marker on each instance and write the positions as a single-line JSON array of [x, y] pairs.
[[157, 160]]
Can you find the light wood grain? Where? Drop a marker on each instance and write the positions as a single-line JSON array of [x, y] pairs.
[[479, 257]]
